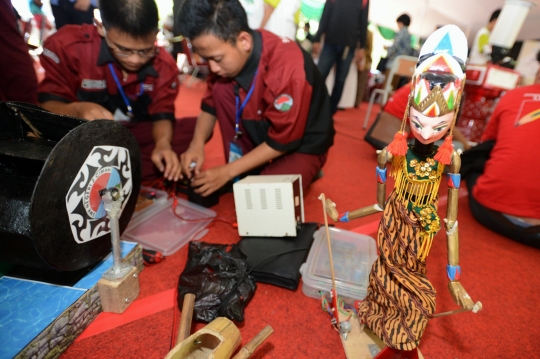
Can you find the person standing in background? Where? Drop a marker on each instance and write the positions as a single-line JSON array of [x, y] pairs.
[[401, 46], [255, 11], [344, 28], [73, 12], [364, 67], [481, 49], [281, 17], [18, 81]]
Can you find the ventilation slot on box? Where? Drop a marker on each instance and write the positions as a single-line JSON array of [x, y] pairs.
[[263, 198], [279, 204], [249, 204]]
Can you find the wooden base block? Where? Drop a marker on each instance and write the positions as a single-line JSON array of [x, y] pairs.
[[359, 343], [116, 296]]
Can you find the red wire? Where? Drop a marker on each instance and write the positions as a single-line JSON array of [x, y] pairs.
[[171, 192]]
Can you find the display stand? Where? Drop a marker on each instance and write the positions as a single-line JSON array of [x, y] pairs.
[[41, 320]]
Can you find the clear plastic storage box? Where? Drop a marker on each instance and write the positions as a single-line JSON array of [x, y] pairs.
[[158, 228], [148, 198], [353, 255]]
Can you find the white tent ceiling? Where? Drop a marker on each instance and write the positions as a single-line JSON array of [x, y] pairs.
[[469, 15]]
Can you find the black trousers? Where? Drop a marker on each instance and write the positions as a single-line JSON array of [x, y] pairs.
[[65, 14], [497, 222]]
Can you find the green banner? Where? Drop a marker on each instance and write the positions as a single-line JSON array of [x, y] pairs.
[[312, 9]]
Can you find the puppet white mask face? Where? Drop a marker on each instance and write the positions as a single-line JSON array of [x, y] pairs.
[[429, 129]]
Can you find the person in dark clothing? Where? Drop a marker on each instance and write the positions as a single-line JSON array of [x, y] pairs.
[[344, 27], [18, 80], [72, 12], [267, 94]]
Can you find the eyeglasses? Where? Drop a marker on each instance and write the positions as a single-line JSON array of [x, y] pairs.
[[123, 52]]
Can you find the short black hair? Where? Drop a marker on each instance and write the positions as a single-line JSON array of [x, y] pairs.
[[404, 19], [137, 18], [538, 56], [495, 15], [224, 19]]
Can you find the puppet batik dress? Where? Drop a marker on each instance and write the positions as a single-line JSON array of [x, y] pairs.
[[400, 298]]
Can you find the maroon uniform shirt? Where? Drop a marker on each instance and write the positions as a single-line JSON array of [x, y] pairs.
[[76, 61], [289, 108]]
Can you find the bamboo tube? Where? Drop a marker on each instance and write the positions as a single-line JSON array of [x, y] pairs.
[[248, 349]]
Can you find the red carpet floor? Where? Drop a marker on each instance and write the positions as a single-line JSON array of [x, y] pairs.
[[495, 270]]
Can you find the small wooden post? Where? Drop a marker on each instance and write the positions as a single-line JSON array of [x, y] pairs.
[[185, 321]]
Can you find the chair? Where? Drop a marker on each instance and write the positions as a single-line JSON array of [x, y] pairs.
[[402, 66]]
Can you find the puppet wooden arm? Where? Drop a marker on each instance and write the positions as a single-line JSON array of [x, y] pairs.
[[453, 269], [382, 159]]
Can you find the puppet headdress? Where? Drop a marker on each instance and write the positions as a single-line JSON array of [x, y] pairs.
[[437, 83]]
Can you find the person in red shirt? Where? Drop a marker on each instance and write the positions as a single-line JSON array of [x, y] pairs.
[[267, 94], [18, 81], [114, 71], [504, 196]]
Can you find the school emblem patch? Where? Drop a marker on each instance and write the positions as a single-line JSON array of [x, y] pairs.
[[283, 102], [105, 167]]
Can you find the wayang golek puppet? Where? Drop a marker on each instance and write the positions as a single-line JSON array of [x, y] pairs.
[[400, 299]]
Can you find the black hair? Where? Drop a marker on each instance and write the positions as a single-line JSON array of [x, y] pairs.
[[404, 19], [224, 19], [495, 15], [137, 18], [538, 56]]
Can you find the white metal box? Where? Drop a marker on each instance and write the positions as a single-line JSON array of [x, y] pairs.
[[269, 206]]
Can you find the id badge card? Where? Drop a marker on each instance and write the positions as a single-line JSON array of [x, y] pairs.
[[119, 115], [235, 152]]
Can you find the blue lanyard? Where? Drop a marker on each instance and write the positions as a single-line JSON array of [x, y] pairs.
[[240, 107], [122, 93]]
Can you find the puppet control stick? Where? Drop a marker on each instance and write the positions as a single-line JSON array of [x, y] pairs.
[[344, 329]]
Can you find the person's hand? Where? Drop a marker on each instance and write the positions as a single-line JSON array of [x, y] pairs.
[[82, 5], [459, 295], [361, 65], [194, 154], [166, 160], [331, 209], [90, 111], [316, 48], [209, 181], [359, 55]]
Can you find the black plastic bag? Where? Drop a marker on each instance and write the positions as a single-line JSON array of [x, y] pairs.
[[218, 277]]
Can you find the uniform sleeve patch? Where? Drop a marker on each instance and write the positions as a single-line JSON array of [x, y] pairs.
[[283, 102], [51, 55]]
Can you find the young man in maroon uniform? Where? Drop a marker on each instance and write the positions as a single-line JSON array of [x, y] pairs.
[[114, 71], [266, 93]]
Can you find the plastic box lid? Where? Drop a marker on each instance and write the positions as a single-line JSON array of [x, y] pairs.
[[148, 198], [160, 229], [353, 256]]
